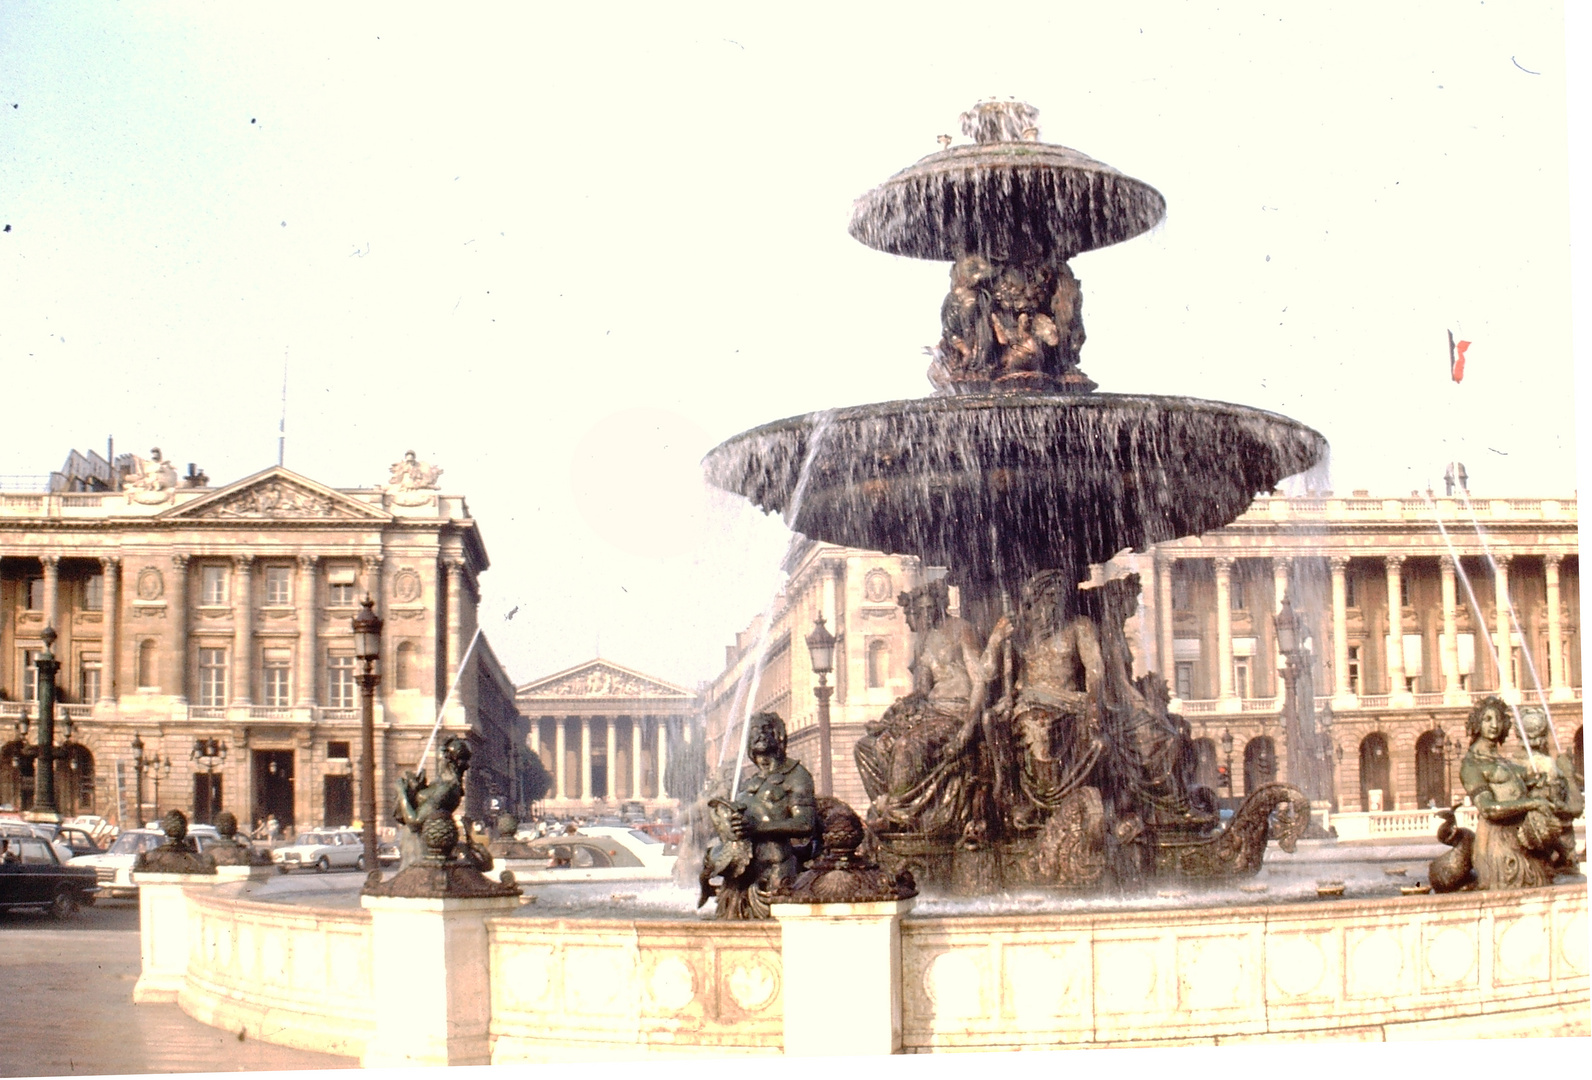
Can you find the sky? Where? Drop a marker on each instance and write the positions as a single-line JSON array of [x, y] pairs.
[[564, 253]]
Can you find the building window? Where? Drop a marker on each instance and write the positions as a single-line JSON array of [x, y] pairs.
[[406, 666], [1180, 592], [30, 675], [212, 677], [1185, 679], [1466, 647], [213, 586], [94, 593], [1351, 595], [275, 677], [35, 594], [278, 586], [1241, 677], [878, 663], [340, 682], [342, 593], [1235, 594], [89, 680], [1404, 590], [1354, 669], [337, 750]]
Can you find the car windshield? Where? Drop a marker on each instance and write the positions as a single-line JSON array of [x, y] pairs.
[[130, 843], [637, 834]]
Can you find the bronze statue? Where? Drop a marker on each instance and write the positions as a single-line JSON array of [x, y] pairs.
[[1518, 830], [235, 850], [913, 759], [775, 813], [178, 855], [1049, 713], [436, 859], [1552, 777], [1010, 324]]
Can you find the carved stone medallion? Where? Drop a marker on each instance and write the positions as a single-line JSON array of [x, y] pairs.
[[876, 586], [406, 586], [151, 586]]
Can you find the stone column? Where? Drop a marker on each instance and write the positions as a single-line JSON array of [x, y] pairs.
[[1558, 685], [1280, 565], [663, 756], [859, 1013], [585, 759], [1395, 625], [1224, 635], [242, 627], [635, 757], [176, 681], [560, 748], [1163, 583], [1342, 695], [455, 609], [52, 589], [533, 738], [611, 784], [1452, 693], [1503, 638], [110, 606], [304, 694]]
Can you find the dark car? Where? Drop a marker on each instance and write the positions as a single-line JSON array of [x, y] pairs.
[[32, 877]]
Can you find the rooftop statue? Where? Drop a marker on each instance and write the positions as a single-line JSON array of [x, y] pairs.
[[153, 473], [411, 474]]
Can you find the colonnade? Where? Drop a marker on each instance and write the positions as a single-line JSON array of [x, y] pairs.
[[644, 740]]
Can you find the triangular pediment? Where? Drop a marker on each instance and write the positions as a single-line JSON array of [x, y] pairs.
[[602, 679], [276, 495]]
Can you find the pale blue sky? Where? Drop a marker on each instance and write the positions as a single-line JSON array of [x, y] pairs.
[[562, 254]]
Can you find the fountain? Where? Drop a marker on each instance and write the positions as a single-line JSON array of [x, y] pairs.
[[1028, 754]]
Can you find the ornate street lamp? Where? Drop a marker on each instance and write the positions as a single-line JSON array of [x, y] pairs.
[[1227, 751], [160, 768], [367, 647], [138, 768], [44, 771], [209, 753], [1440, 744], [821, 647]]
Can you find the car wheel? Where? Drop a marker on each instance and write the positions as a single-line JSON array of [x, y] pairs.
[[64, 906], [322, 864], [281, 868], [359, 863]]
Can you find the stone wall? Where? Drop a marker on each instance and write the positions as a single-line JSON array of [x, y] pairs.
[[1460, 966]]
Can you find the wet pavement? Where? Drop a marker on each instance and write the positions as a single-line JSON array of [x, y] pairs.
[[66, 996]]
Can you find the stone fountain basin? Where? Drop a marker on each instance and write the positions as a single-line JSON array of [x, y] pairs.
[[998, 486]]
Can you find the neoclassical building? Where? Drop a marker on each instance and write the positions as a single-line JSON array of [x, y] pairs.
[[1460, 574], [193, 618], [607, 734]]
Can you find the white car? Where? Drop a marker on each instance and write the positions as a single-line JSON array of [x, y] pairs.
[[114, 869], [649, 849], [322, 849]]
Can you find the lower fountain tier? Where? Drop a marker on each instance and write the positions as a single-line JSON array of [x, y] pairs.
[[998, 486]]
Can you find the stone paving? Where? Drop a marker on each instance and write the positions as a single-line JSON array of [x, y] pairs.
[[66, 999]]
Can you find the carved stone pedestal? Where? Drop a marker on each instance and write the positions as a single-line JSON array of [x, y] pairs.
[[433, 994], [163, 932], [842, 977]]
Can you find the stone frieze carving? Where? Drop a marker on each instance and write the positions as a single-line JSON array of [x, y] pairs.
[[276, 499], [604, 682]]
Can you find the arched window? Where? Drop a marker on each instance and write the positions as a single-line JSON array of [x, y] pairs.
[[148, 657], [1376, 772], [74, 780], [1260, 763], [878, 662], [404, 677], [1207, 767], [1431, 772], [13, 794]]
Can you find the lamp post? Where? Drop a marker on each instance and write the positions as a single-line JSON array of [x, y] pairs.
[[1440, 744], [160, 768], [209, 753], [367, 647], [44, 771], [138, 768], [1227, 752], [821, 647]]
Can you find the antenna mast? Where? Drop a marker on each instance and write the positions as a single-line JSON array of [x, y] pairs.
[[281, 428]]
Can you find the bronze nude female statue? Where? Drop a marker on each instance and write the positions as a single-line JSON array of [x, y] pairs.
[[1517, 829]]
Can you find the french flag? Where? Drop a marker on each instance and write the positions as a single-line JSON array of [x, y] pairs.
[[1456, 357]]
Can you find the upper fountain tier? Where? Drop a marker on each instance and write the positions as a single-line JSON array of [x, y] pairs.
[[1007, 197]]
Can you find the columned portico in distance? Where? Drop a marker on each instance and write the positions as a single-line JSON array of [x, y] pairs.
[[635, 711]]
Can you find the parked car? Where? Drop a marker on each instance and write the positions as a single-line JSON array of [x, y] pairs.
[[114, 868], [649, 850], [32, 877], [322, 849], [42, 830]]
